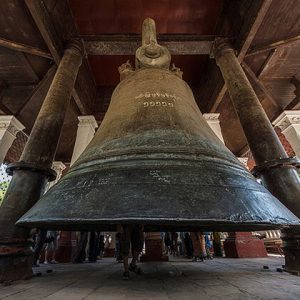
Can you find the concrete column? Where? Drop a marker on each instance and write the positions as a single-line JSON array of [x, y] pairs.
[[32, 172], [85, 132], [244, 161], [9, 127], [289, 123], [58, 167], [273, 165], [212, 120]]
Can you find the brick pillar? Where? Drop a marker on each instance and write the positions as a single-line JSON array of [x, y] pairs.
[[243, 245], [236, 240], [67, 243], [289, 123], [154, 248]]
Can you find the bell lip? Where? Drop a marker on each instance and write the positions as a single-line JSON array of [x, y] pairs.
[[187, 224]]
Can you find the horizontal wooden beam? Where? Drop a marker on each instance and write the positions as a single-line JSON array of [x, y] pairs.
[[274, 45], [258, 83], [127, 44], [24, 48], [261, 13]]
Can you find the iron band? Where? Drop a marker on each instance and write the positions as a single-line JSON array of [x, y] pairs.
[[48, 172], [276, 163]]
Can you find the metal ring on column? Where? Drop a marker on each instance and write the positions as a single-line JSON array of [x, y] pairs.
[[8, 248], [48, 172], [276, 163]]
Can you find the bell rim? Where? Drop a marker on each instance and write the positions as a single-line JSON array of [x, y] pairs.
[[201, 224]]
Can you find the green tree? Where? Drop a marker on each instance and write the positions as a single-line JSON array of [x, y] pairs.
[[3, 188]]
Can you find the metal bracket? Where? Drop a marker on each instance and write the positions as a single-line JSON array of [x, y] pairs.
[[48, 172], [276, 163]]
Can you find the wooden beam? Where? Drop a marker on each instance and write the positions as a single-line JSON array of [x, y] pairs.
[[258, 83], [24, 48], [274, 45], [295, 102], [266, 63], [6, 110], [127, 44], [3, 86], [28, 67], [41, 89], [214, 82], [45, 25], [254, 28]]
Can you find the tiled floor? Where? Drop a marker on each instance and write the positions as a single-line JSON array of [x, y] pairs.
[[180, 279]]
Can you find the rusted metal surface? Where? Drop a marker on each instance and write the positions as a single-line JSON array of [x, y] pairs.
[[155, 161], [30, 174]]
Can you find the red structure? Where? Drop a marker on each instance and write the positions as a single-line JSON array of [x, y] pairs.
[[154, 248], [66, 247], [244, 245]]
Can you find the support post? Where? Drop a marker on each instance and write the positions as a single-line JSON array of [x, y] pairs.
[[244, 245], [32, 172], [277, 171], [212, 120], [237, 243], [9, 127], [289, 123], [154, 248], [85, 133]]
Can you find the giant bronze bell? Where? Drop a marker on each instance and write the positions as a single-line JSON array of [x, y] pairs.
[[155, 161]]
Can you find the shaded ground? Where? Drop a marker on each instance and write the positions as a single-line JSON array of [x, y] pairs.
[[180, 279]]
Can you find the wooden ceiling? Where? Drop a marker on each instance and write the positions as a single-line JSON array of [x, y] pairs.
[[126, 16], [33, 34]]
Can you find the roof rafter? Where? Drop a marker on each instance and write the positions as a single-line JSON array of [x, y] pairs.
[[45, 26], [214, 82], [24, 48]]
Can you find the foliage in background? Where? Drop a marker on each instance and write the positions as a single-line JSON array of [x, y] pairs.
[[3, 188]]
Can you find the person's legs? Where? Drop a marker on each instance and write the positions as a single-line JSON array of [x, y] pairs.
[[40, 240], [137, 243], [79, 256], [55, 246], [48, 253], [46, 257], [125, 245]]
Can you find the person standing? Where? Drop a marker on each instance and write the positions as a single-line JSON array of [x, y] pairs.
[[131, 235], [51, 247], [198, 246]]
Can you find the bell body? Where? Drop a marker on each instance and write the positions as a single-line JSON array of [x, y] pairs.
[[155, 161]]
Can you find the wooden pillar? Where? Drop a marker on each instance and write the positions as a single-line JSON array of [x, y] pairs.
[[276, 170], [32, 172]]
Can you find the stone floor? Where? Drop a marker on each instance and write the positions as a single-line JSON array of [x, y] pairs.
[[180, 279]]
